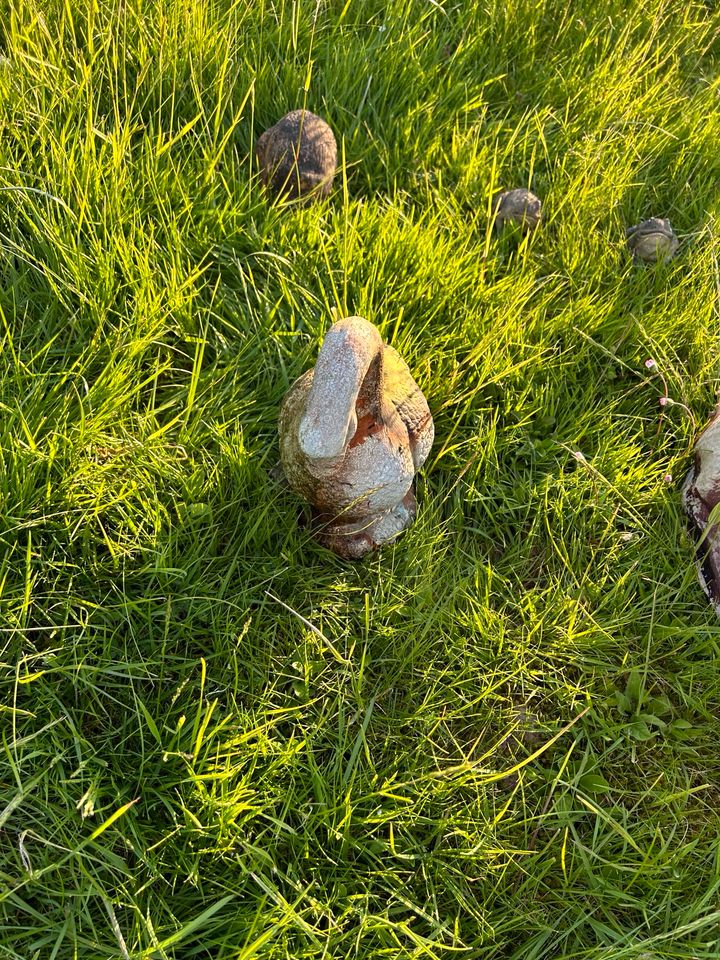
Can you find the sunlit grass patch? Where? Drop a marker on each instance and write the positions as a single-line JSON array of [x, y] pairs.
[[497, 738]]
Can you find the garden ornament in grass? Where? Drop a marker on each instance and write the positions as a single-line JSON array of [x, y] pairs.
[[700, 496], [652, 241], [297, 157], [519, 207], [353, 432]]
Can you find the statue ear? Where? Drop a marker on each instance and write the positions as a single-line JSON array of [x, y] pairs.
[[349, 350]]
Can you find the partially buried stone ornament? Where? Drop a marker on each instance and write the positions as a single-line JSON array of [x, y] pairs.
[[297, 157], [353, 432], [652, 241], [701, 494], [519, 207]]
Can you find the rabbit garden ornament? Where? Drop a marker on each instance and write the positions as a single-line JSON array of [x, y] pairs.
[[353, 432]]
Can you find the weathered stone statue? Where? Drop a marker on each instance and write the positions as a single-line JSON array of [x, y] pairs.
[[519, 207], [297, 157], [652, 240], [353, 432], [701, 494]]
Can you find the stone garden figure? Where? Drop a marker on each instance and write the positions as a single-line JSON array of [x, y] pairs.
[[353, 432], [652, 240], [297, 157]]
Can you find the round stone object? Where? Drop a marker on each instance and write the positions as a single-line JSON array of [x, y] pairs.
[[298, 157], [519, 207]]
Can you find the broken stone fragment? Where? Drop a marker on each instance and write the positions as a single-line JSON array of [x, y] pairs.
[[700, 497]]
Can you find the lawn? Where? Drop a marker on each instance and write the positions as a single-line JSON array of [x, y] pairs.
[[497, 738]]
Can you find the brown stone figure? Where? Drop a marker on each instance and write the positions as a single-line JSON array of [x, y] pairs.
[[701, 495], [353, 432], [297, 157]]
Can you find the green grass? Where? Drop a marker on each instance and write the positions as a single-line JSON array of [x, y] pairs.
[[513, 750]]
